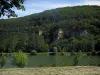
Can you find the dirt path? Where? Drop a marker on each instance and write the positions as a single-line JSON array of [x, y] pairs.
[[84, 70]]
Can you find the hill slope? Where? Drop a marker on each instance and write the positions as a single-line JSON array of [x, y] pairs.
[[41, 30]]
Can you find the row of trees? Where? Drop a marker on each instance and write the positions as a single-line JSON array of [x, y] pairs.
[[87, 43], [82, 43]]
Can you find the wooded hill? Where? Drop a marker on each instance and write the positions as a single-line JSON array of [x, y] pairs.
[[69, 29]]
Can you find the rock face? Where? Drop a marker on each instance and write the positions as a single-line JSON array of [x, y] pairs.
[[60, 34], [57, 34], [40, 32]]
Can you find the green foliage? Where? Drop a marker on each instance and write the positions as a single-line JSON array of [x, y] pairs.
[[81, 31], [33, 52], [62, 53], [45, 48], [6, 6], [20, 59], [2, 60], [77, 58], [62, 44], [72, 53]]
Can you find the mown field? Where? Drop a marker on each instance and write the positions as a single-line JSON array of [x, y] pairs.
[[78, 70]]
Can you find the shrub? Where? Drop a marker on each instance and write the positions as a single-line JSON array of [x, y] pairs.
[[73, 52], [76, 59], [20, 59], [45, 48], [62, 53], [3, 60], [33, 52]]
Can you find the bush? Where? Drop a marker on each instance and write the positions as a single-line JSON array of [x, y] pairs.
[[62, 53], [20, 59], [3, 60], [77, 58], [45, 48], [33, 52], [73, 52], [76, 61]]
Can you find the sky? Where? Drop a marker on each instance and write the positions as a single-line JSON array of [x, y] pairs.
[[36, 6]]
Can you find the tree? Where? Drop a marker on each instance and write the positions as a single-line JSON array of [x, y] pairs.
[[3, 60], [20, 59], [11, 43], [7, 5], [22, 42], [62, 44], [45, 48]]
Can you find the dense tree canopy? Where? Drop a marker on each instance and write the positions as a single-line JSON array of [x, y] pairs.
[[79, 25]]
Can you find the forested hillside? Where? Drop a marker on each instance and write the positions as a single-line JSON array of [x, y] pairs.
[[68, 29]]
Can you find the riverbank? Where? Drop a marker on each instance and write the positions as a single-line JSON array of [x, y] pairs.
[[69, 70]]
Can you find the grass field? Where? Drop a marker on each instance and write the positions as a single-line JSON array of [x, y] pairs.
[[69, 70]]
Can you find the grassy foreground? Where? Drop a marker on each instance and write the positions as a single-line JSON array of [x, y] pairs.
[[84, 70]]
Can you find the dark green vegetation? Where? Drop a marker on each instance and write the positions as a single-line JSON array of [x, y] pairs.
[[7, 5], [69, 29], [33, 52], [2, 60]]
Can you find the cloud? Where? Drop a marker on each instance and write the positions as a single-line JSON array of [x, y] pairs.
[[91, 2]]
